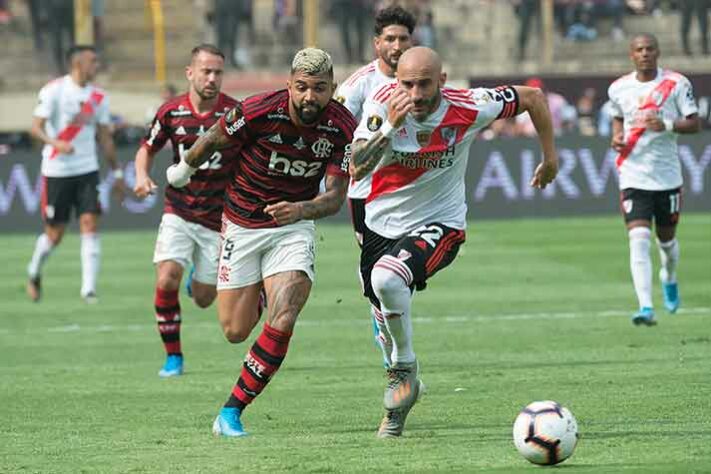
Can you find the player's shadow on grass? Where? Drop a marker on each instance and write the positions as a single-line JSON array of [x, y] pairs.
[[515, 365]]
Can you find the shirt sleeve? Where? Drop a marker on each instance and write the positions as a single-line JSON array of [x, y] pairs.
[[103, 115], [491, 104], [338, 164], [351, 96], [45, 102], [158, 132], [374, 115], [235, 125], [615, 108], [685, 101]]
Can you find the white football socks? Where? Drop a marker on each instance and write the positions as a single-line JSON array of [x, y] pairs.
[[669, 257], [43, 248], [90, 260], [641, 264], [395, 301], [385, 341]]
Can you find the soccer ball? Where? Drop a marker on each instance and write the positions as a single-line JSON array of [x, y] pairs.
[[545, 433]]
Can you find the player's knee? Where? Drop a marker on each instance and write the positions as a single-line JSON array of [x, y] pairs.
[[203, 294], [236, 334], [386, 282], [168, 279]]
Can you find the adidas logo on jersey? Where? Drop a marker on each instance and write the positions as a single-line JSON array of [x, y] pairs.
[[300, 145], [276, 139], [181, 131]]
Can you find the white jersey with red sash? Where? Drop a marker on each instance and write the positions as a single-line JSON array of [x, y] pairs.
[[72, 113], [420, 179], [650, 159]]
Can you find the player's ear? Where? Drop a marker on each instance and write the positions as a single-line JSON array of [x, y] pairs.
[[188, 72], [442, 79]]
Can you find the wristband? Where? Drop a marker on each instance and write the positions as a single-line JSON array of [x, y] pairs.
[[387, 129], [668, 125], [118, 173]]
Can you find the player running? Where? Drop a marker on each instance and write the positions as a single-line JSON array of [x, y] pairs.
[[414, 140], [190, 226], [651, 106], [393, 36], [286, 142], [71, 115]]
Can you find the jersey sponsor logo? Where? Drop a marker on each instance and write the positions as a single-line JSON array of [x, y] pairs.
[[231, 116], [181, 131], [276, 139], [280, 115], [428, 160], [232, 129], [374, 123], [482, 97], [299, 144], [282, 165], [180, 112], [346, 158], [328, 127], [423, 137], [322, 148], [212, 163]]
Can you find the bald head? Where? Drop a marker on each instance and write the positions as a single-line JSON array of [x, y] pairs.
[[419, 73], [422, 59]]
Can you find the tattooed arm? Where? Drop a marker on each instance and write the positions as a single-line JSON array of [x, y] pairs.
[[213, 140], [325, 204], [366, 155]]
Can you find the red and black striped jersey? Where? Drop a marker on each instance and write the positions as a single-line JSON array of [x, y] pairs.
[[201, 201], [279, 161]]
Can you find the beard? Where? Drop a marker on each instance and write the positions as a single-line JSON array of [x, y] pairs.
[[207, 94], [308, 115]]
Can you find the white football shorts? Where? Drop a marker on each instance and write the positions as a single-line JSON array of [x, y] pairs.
[[184, 242], [249, 256]]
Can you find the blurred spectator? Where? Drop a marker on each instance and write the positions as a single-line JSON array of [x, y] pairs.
[[228, 14], [424, 34], [586, 113], [353, 18], [701, 9], [98, 7], [287, 23], [563, 114], [604, 120], [526, 10], [5, 15], [167, 92], [38, 16], [60, 15]]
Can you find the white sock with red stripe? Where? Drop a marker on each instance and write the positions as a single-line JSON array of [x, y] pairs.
[[90, 259], [43, 248], [641, 264], [385, 341], [390, 280], [669, 257]]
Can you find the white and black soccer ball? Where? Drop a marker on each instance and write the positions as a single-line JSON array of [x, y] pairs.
[[545, 433]]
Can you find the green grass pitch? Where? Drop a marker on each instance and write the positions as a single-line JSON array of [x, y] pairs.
[[530, 310]]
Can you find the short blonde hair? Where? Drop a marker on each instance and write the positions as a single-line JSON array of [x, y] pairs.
[[312, 61]]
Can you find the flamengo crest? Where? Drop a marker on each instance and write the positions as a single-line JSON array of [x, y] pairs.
[[322, 148]]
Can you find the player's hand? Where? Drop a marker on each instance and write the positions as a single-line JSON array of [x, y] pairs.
[[118, 189], [63, 147], [144, 187], [399, 105], [285, 212], [654, 123], [545, 174], [618, 142]]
